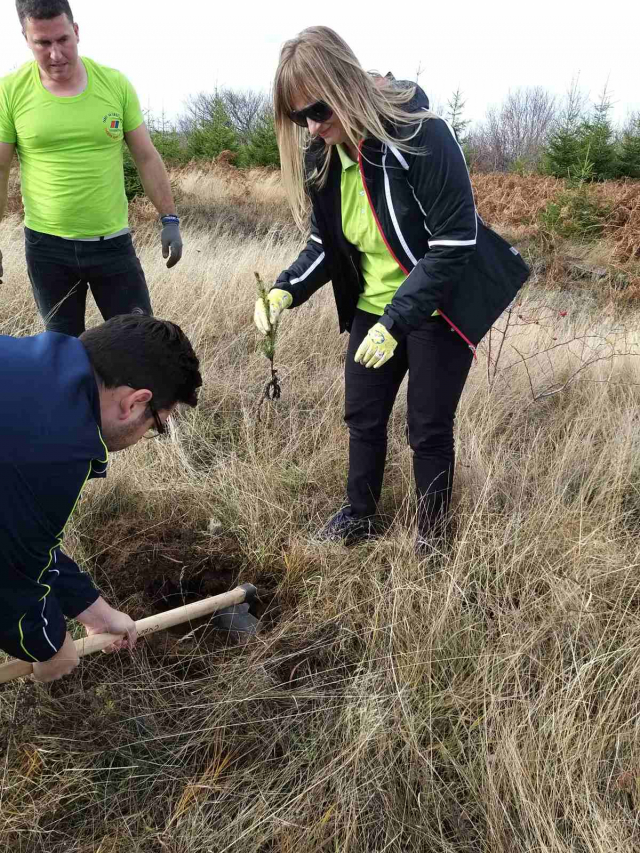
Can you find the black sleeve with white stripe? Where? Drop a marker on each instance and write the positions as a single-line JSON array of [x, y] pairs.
[[308, 272], [74, 588], [33, 627], [439, 180], [42, 631], [32, 623]]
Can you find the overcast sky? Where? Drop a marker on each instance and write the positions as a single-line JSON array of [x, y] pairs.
[[173, 49]]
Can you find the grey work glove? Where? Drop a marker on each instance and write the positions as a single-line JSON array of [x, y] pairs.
[[171, 243]]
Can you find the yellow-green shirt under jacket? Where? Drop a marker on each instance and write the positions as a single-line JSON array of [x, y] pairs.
[[382, 275]]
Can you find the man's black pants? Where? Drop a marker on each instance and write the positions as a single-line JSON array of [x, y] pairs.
[[438, 361], [61, 270]]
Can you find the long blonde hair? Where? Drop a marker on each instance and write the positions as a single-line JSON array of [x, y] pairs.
[[318, 65]]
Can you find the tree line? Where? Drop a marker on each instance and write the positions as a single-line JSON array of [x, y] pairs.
[[532, 130], [571, 137]]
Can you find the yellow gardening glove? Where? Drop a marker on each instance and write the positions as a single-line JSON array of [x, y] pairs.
[[377, 347], [278, 300]]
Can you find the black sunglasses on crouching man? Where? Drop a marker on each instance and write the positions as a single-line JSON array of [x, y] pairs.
[[319, 112], [160, 428]]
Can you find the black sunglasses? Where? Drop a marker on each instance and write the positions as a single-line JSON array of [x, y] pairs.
[[161, 429], [319, 112]]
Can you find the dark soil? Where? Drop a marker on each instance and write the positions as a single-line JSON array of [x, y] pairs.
[[167, 567]]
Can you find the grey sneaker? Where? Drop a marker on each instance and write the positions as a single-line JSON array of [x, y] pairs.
[[348, 529]]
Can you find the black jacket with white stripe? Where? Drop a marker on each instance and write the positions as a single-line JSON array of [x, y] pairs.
[[423, 204]]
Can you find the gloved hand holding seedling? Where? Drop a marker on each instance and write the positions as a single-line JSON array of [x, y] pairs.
[[269, 305]]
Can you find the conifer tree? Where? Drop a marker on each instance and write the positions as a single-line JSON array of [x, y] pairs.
[[562, 152], [213, 135], [597, 141], [262, 149], [455, 107], [629, 157]]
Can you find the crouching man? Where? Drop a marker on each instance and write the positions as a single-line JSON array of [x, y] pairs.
[[66, 403]]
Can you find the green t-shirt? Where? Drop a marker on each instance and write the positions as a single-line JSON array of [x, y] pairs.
[[70, 149], [382, 275]]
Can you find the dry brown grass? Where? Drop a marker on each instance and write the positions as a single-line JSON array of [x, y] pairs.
[[624, 222], [513, 200], [218, 196], [484, 698], [510, 201], [252, 202], [513, 203]]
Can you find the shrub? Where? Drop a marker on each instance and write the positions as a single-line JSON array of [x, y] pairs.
[[133, 186], [597, 142], [629, 157], [171, 147], [562, 153], [592, 141], [212, 136], [521, 166], [262, 149], [455, 109], [573, 214], [581, 139]]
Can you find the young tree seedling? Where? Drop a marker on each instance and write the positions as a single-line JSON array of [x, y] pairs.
[[272, 390]]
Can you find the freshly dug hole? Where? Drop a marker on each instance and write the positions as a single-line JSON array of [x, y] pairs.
[[168, 568]]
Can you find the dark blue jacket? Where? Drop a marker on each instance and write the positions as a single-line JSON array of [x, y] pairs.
[[424, 207], [50, 445]]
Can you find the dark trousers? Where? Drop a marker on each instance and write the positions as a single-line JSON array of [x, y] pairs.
[[61, 270], [438, 361]]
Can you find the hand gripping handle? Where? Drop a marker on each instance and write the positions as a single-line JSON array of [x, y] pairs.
[[148, 625]]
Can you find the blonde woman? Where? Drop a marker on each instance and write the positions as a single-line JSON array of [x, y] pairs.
[[418, 279]]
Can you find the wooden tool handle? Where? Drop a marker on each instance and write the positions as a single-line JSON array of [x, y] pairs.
[[148, 625]]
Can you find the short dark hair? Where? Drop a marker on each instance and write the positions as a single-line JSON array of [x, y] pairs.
[[43, 10], [144, 352]]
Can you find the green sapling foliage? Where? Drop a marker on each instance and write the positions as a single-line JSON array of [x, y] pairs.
[[272, 390], [269, 340]]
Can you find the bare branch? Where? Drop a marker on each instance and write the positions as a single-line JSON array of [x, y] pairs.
[[514, 131]]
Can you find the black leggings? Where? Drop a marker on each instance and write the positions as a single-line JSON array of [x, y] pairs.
[[60, 271], [438, 361]]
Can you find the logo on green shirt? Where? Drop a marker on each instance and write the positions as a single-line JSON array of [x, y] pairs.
[[113, 125]]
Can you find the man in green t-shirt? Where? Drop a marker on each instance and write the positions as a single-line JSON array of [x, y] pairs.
[[68, 118]]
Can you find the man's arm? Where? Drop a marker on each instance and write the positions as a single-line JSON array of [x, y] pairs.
[[79, 599], [152, 171], [158, 189], [62, 663], [33, 626], [7, 150], [99, 618]]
